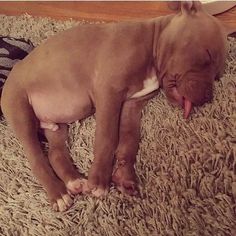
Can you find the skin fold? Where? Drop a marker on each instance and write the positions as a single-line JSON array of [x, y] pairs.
[[110, 70]]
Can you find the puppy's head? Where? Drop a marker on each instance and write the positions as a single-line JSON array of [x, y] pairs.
[[196, 53]]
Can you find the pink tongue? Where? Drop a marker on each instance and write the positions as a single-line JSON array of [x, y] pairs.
[[187, 108]]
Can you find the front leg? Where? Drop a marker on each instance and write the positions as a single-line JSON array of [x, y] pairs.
[[124, 175], [108, 107]]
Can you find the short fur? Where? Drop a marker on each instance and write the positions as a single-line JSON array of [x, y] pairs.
[[98, 68]]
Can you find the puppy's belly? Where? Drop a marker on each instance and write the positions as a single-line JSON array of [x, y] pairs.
[[55, 108]]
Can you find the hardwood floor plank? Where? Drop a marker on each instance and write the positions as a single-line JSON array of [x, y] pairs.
[[107, 11]]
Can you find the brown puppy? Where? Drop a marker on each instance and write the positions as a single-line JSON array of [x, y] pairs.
[[113, 69]]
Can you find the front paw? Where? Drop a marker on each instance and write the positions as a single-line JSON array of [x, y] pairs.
[[62, 203], [60, 199], [99, 179], [125, 179]]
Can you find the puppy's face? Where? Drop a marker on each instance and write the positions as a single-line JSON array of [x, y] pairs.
[[196, 49], [189, 81]]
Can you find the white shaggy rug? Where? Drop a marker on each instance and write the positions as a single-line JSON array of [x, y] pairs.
[[187, 169]]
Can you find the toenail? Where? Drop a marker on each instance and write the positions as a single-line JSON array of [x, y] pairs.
[[98, 192], [67, 199]]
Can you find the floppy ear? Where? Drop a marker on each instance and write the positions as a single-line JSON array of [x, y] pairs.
[[185, 6], [188, 7]]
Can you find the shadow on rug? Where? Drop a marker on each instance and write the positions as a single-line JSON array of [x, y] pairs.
[[187, 169]]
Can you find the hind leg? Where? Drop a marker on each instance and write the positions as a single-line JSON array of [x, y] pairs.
[[60, 159], [21, 118]]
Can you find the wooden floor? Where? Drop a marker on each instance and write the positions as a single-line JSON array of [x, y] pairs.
[[107, 11]]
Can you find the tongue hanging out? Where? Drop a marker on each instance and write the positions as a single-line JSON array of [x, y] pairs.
[[187, 108], [183, 102]]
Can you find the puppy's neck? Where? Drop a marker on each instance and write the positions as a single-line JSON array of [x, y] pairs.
[[159, 25]]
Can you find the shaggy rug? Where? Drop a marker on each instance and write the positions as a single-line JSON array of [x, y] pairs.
[[186, 169]]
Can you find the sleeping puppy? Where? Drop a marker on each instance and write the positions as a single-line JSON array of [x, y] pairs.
[[110, 69]]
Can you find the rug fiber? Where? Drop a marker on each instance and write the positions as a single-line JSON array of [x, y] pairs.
[[186, 169]]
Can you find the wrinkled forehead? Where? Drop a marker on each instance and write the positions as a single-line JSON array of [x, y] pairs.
[[194, 40], [199, 29]]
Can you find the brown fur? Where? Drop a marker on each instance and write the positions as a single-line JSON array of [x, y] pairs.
[[98, 67]]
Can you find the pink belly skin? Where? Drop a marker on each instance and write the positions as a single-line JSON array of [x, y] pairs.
[[60, 108]]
